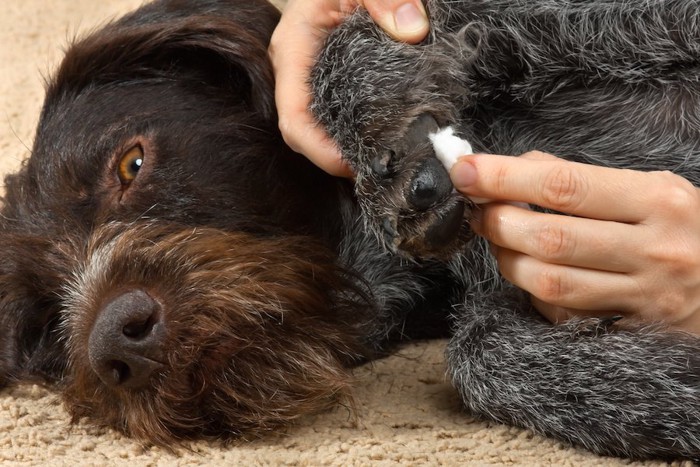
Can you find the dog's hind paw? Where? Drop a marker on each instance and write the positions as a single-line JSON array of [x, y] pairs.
[[408, 195]]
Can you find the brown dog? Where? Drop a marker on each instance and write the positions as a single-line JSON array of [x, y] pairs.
[[167, 260], [177, 272]]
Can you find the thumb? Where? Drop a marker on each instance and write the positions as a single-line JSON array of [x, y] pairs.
[[404, 20]]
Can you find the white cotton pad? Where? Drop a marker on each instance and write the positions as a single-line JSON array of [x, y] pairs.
[[448, 148]]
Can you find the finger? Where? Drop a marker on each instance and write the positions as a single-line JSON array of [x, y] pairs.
[[568, 287], [570, 187], [404, 20], [558, 315], [302, 133], [292, 49], [564, 240], [540, 156]]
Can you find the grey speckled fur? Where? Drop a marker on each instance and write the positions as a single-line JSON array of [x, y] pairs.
[[610, 82]]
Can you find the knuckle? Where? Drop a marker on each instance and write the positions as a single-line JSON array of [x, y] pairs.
[[563, 188], [679, 259], [668, 306], [272, 47], [554, 242], [668, 302], [288, 131], [674, 194], [491, 221], [550, 286], [501, 179], [284, 123]]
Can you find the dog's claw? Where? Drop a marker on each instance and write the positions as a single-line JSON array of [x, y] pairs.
[[594, 327], [609, 321], [390, 232], [419, 130], [380, 164]]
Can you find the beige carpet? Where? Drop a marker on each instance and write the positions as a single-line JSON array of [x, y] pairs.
[[408, 414]]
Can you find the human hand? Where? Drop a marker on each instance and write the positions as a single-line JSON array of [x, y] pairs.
[[631, 246], [295, 43]]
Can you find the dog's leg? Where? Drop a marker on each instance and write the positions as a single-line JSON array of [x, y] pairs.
[[624, 391], [380, 100], [510, 76], [409, 299], [531, 75]]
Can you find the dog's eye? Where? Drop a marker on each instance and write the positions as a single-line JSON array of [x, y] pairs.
[[130, 164]]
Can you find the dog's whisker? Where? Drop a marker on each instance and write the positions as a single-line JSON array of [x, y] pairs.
[[16, 135], [144, 214]]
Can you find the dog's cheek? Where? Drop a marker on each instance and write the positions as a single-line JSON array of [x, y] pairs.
[[252, 341], [8, 357], [257, 354]]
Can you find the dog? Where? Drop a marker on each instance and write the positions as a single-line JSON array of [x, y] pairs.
[[176, 272]]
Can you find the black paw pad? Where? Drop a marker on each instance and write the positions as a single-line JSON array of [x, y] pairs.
[[443, 232], [430, 185]]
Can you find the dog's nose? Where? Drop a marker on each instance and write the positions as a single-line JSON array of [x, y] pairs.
[[125, 347], [430, 185]]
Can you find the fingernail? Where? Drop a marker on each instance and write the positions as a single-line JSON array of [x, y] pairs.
[[408, 19], [463, 174]]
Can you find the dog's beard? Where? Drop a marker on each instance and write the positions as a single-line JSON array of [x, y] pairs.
[[256, 331]]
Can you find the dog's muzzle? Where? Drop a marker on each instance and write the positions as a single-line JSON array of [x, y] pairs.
[[125, 347]]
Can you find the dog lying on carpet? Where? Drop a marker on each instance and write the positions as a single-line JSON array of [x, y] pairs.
[[177, 272]]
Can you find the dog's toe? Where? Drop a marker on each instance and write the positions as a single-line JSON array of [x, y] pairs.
[[446, 228], [409, 197]]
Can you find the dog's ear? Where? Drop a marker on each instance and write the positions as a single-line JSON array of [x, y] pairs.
[[221, 42], [31, 277]]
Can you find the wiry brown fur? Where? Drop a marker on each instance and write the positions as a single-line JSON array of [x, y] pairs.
[[229, 234], [262, 304]]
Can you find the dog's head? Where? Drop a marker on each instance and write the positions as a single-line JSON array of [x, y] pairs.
[[157, 261]]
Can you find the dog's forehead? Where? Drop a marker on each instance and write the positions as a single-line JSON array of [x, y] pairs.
[[155, 67], [78, 133], [184, 131], [220, 42], [194, 87]]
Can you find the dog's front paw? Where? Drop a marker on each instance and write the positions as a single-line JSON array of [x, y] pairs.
[[409, 198]]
